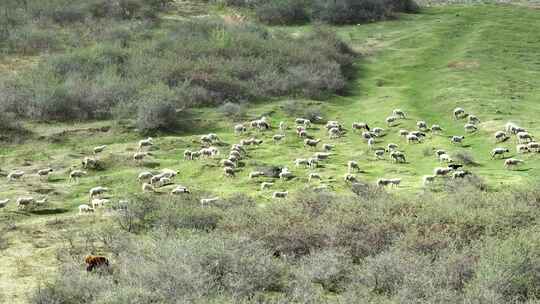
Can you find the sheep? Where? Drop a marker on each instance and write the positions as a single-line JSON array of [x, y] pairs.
[[301, 121], [76, 174], [460, 174], [360, 126], [234, 159], [403, 132], [285, 174], [500, 136], [457, 139], [428, 179], [44, 173], [99, 149], [98, 203], [282, 126], [236, 154], [439, 152], [350, 178], [97, 191], [470, 128], [454, 166], [313, 163], [266, 185], [399, 113], [84, 209], [512, 162], [4, 202], [257, 141], [473, 119], [524, 137], [279, 194], [391, 120], [334, 133], [228, 163], [534, 146], [328, 147], [42, 201], [378, 132], [195, 155], [165, 181], [312, 142], [379, 153], [239, 129], [499, 151], [178, 190], [15, 175], [228, 171], [382, 182], [445, 158], [322, 155], [333, 124], [459, 113], [371, 143], [392, 147], [398, 157], [278, 137], [436, 129], [146, 143], [522, 149], [24, 202], [139, 156], [421, 125], [206, 201], [512, 128], [89, 163], [238, 148], [301, 161], [303, 134], [146, 187], [442, 171], [188, 154], [312, 176], [418, 134], [256, 174], [412, 139], [352, 165]]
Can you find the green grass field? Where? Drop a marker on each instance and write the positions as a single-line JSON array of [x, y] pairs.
[[485, 59]]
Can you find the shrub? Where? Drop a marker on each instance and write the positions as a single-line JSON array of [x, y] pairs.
[[233, 110], [157, 109], [282, 12], [330, 268]]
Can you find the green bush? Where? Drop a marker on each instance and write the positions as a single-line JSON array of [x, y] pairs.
[[282, 12]]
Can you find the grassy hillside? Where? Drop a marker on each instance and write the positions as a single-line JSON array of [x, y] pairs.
[[483, 58]]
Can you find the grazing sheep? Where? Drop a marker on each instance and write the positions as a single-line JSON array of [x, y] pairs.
[[399, 113], [454, 166], [312, 142], [24, 202], [228, 163], [524, 137], [239, 129], [99, 203], [499, 151], [512, 162], [238, 148], [312, 176], [359, 126], [89, 163], [195, 155], [379, 154], [459, 113], [146, 143], [44, 173], [412, 139], [403, 132], [522, 149], [442, 171], [470, 128], [256, 174], [285, 174], [350, 178], [178, 190], [229, 172], [266, 185], [301, 121], [391, 120], [352, 165], [333, 124], [322, 155], [278, 137], [42, 201], [144, 176], [500, 136], [457, 139], [99, 149], [257, 141], [534, 146], [392, 147], [460, 174], [371, 143], [188, 155], [439, 152], [84, 209], [301, 161], [94, 261], [418, 134], [398, 157], [15, 175], [165, 181], [236, 154], [378, 132], [207, 201], [428, 179], [383, 182], [279, 194], [334, 133], [313, 163], [328, 147], [303, 134], [445, 158], [96, 191], [421, 125], [147, 188], [139, 156], [512, 128], [473, 119], [436, 129], [367, 135], [3, 203], [282, 126], [76, 174]]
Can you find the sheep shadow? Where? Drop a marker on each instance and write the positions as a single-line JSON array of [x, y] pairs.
[[48, 211], [523, 170]]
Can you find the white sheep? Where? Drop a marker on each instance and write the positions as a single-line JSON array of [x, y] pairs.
[[238, 129], [412, 139], [228, 163], [144, 176], [440, 152], [84, 209], [146, 143], [285, 174], [421, 125], [457, 139], [328, 147], [403, 132], [379, 154], [301, 161], [522, 148], [99, 149], [280, 194], [4, 202], [301, 121], [442, 171], [352, 165], [207, 201], [512, 162], [524, 137], [76, 174], [459, 113], [534, 146], [15, 175], [499, 151], [473, 119], [436, 129], [278, 137], [266, 185], [312, 142], [313, 162], [99, 203], [367, 135], [428, 179], [398, 156], [392, 147], [350, 178], [44, 173], [399, 113], [188, 154], [460, 174], [179, 190], [382, 182], [334, 133], [96, 191], [371, 143], [378, 131], [282, 126], [139, 156], [312, 176], [146, 187], [24, 202], [256, 174], [390, 120], [228, 171], [358, 126], [322, 155], [89, 163], [500, 136], [165, 181], [470, 128], [445, 158]]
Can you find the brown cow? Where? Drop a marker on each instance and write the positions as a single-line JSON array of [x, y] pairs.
[[95, 261]]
